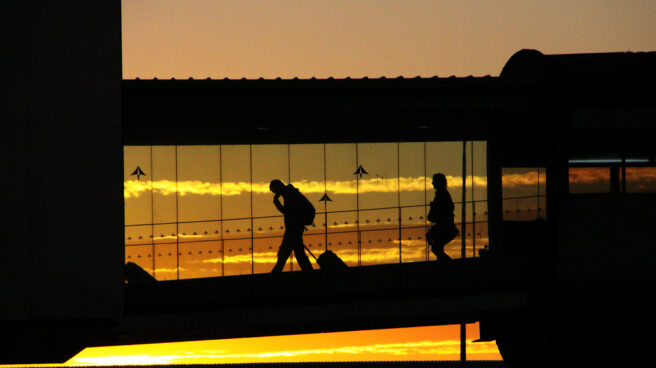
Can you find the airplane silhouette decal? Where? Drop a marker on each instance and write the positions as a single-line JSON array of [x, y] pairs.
[[138, 172], [360, 171]]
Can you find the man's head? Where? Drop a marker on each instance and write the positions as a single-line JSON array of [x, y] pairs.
[[276, 186], [439, 181]]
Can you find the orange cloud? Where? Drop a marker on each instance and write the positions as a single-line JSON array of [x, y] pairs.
[[134, 188]]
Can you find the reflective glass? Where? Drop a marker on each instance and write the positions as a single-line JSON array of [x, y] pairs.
[[266, 254], [136, 235], [199, 183], [199, 231], [268, 227], [137, 171], [142, 255], [237, 229], [269, 162], [413, 242], [341, 183], [412, 182], [378, 180], [166, 233], [200, 259], [520, 193], [236, 182], [164, 184], [237, 257], [589, 180], [306, 163], [166, 262], [640, 179], [380, 247]]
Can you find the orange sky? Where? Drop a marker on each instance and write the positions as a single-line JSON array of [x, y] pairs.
[[418, 343], [339, 38]]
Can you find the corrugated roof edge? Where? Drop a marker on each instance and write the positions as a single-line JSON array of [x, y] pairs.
[[365, 78]]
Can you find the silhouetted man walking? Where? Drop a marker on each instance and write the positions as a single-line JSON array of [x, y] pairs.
[[294, 227]]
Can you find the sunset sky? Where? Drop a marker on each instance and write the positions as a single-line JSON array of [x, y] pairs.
[[357, 38], [339, 38]]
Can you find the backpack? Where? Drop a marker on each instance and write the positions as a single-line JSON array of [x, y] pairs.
[[301, 207]]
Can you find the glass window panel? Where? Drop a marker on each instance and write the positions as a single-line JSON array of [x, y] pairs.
[[266, 254], [200, 259], [345, 246], [589, 180], [378, 188], [482, 236], [413, 216], [140, 255], [269, 162], [199, 183], [307, 172], [480, 209], [640, 179], [237, 257], [542, 193], [166, 262], [444, 157], [380, 247], [379, 219], [165, 233], [413, 243], [521, 189], [199, 231], [340, 179], [267, 227], [138, 235], [164, 184], [342, 221], [412, 182], [236, 182], [480, 170], [137, 188], [237, 229], [316, 243]]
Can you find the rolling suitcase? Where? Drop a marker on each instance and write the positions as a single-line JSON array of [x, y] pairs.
[[328, 260]]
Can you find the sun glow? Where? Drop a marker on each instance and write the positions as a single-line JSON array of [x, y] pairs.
[[417, 343]]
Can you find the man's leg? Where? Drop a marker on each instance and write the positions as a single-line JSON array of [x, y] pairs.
[[283, 253], [296, 238]]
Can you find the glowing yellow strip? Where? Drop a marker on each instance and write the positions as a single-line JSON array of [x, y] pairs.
[[134, 188]]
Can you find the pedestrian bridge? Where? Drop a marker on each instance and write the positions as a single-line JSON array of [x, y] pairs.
[[358, 298]]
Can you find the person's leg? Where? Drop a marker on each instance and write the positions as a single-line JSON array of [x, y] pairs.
[[296, 238], [283, 253], [440, 239]]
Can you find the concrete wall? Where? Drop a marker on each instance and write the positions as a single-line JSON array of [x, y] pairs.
[[61, 251]]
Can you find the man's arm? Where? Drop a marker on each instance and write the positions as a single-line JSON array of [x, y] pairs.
[[279, 206]]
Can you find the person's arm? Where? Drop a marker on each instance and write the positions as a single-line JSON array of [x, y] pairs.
[[279, 206]]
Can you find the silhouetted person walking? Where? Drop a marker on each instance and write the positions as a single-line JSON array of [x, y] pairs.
[[441, 214], [295, 218]]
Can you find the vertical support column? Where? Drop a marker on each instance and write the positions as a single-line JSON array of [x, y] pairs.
[[463, 221]]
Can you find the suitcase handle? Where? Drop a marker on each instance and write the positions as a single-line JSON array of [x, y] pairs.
[[309, 251]]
